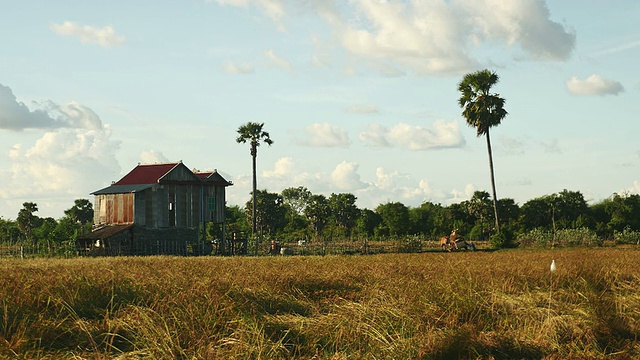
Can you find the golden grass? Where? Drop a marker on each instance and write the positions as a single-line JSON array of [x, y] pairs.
[[487, 305]]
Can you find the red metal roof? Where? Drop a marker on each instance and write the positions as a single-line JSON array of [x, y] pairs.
[[146, 174], [203, 175]]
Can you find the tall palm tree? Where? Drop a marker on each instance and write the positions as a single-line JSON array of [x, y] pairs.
[[483, 110], [252, 132]]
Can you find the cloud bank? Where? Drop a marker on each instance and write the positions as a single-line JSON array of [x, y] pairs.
[[73, 157], [15, 115], [105, 37], [594, 85], [426, 36], [441, 134]]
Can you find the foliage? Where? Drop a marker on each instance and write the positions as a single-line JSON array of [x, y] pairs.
[[297, 198], [27, 220], [395, 218], [624, 211], [367, 222], [344, 210], [269, 212], [627, 236], [566, 237], [317, 213], [502, 240], [537, 237], [577, 237], [82, 211]]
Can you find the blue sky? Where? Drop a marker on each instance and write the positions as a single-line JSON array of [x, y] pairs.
[[359, 96]]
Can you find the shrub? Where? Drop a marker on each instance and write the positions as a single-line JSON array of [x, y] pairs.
[[581, 236], [627, 236], [502, 240], [536, 237]]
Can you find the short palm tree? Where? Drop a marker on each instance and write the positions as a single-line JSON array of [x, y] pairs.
[[483, 110], [254, 134]]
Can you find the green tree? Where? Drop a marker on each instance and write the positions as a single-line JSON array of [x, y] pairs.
[[536, 213], [27, 220], [318, 213], [569, 209], [438, 219], [270, 212], [81, 212], [480, 207], [254, 134], [395, 217], [237, 223], [367, 222], [624, 212], [344, 210], [483, 110], [296, 198], [9, 231]]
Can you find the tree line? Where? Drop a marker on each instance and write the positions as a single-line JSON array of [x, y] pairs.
[[296, 214], [47, 234]]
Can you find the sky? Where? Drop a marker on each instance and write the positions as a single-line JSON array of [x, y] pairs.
[[359, 96]]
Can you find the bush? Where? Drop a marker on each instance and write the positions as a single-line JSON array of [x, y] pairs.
[[581, 236], [502, 240], [627, 236], [536, 237]]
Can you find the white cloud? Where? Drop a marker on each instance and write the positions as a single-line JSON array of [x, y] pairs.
[[279, 62], [75, 156], [594, 85], [59, 167], [525, 23], [385, 180], [429, 36], [441, 134], [325, 135], [462, 195], [233, 68], [105, 36], [634, 189], [282, 168], [274, 9], [15, 115], [345, 177], [152, 157]]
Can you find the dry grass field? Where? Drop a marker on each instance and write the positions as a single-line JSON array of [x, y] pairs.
[[487, 305]]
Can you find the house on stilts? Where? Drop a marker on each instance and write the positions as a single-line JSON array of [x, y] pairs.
[[156, 209]]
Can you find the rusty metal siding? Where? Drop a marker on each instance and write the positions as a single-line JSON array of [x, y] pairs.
[[118, 209]]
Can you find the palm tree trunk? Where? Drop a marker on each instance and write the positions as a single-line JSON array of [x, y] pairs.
[[493, 182], [253, 202]]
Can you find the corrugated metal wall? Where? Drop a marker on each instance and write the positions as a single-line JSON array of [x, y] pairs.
[[114, 209], [152, 208]]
